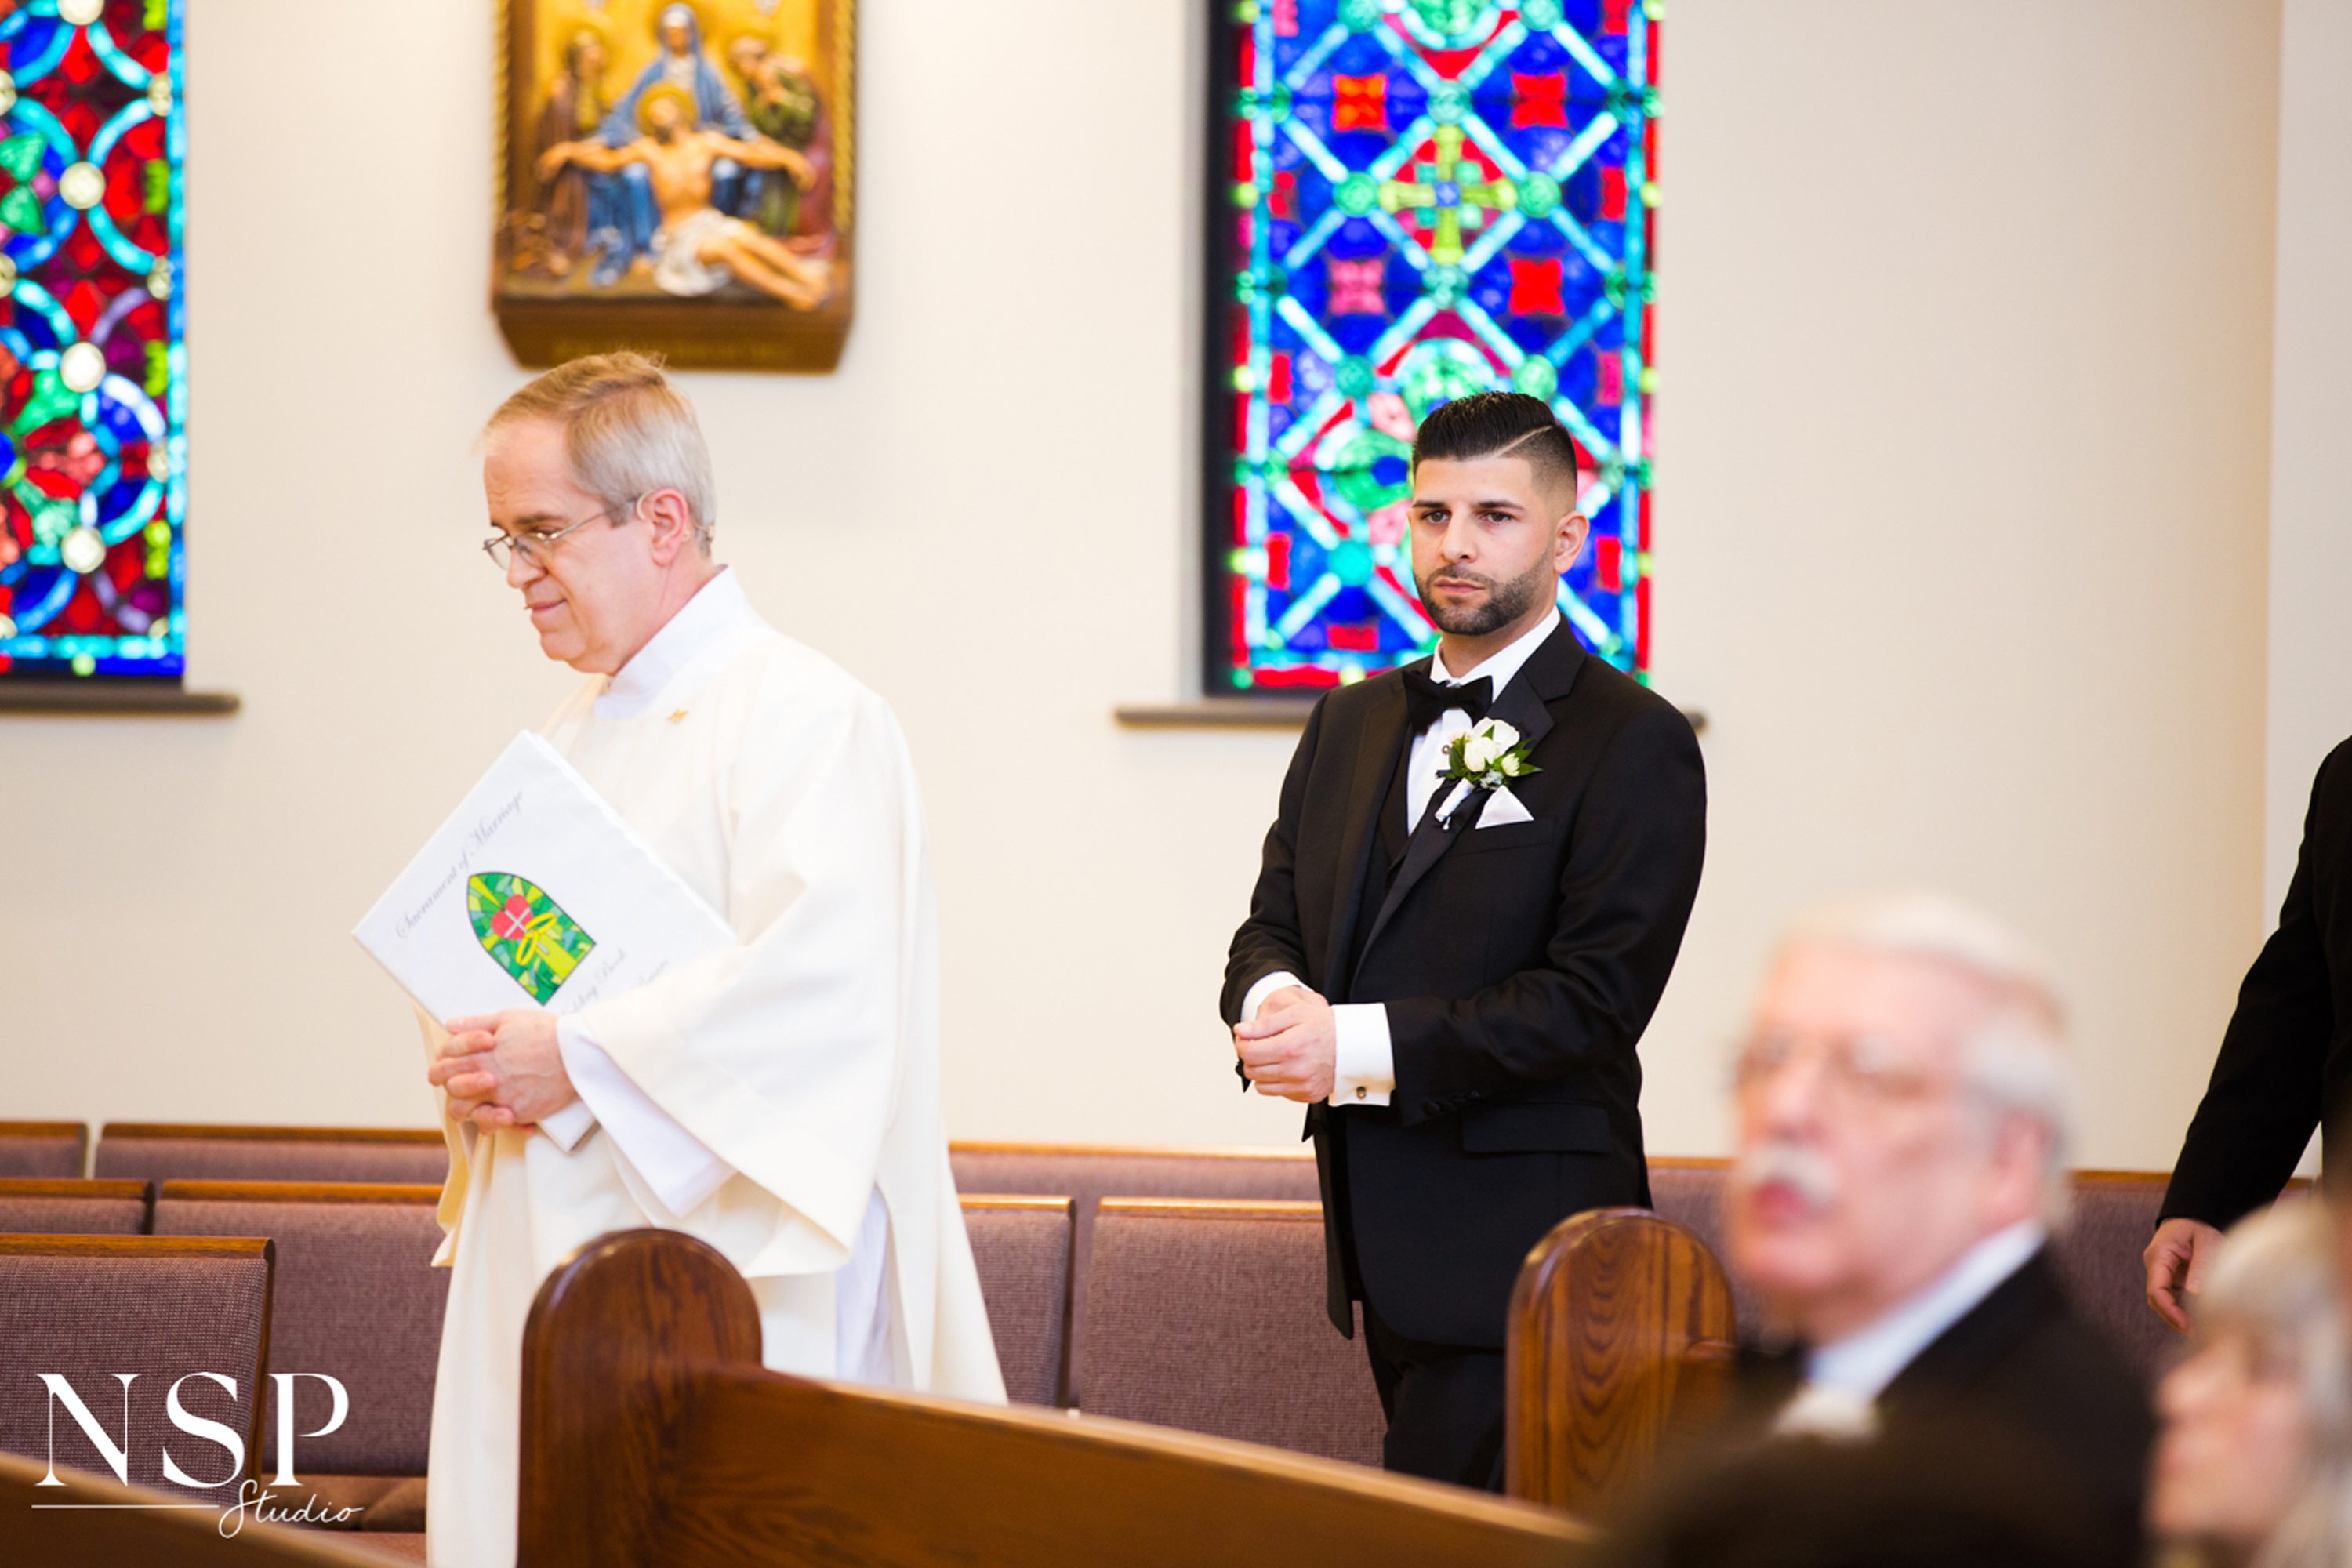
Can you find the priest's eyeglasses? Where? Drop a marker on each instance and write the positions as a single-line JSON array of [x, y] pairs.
[[534, 545], [1859, 1070]]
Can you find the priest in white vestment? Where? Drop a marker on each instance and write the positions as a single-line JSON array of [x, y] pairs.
[[779, 1099]]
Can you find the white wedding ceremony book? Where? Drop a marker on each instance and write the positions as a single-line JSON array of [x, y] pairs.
[[534, 893]]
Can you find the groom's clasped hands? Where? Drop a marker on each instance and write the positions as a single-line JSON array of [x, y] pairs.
[[1290, 1049]]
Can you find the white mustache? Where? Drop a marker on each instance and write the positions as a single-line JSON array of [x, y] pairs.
[[1785, 1162]]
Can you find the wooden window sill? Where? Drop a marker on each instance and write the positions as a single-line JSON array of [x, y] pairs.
[[124, 699]]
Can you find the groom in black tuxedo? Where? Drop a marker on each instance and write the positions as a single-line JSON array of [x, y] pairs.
[[1453, 973]]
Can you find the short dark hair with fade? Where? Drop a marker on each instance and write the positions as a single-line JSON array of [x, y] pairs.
[[1500, 425]]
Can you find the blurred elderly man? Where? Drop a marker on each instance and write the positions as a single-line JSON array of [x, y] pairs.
[[778, 1098], [1901, 1156]]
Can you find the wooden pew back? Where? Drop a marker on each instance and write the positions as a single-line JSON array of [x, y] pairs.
[[652, 1437], [1620, 1342]]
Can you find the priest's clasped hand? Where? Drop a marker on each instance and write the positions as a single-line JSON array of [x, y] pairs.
[[503, 1069], [1291, 1047]]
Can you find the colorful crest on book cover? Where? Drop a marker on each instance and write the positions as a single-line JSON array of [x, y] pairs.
[[526, 932]]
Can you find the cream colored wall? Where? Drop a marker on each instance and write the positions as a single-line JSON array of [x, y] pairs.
[[2311, 401], [1965, 338]]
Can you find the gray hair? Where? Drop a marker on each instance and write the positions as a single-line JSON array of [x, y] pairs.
[[2275, 1282], [626, 430], [2016, 1055]]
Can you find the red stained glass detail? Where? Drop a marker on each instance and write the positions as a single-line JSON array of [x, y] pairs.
[[1278, 560], [1277, 378], [1297, 678], [1283, 202], [1535, 288], [1608, 565], [1538, 99], [1611, 388], [82, 612], [1359, 103], [1612, 194], [81, 250], [80, 66], [1612, 16], [1286, 18], [1361, 636]]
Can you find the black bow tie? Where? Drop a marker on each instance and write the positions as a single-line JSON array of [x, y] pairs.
[[1424, 699]]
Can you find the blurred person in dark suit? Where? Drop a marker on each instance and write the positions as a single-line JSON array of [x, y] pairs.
[[1952, 1494], [1903, 1131]]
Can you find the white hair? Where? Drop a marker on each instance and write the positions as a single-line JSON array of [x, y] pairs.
[[2274, 1281], [2016, 1053], [626, 431]]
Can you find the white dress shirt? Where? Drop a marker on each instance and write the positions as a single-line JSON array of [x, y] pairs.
[[1845, 1379], [1365, 1073], [679, 1168]]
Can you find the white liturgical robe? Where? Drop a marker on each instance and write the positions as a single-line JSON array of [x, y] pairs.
[[778, 1100]]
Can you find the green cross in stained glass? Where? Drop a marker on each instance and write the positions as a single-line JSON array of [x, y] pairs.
[[1459, 202]]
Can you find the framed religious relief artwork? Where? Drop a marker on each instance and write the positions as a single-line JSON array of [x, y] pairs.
[[678, 175]]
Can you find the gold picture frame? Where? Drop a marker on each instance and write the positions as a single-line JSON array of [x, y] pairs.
[[676, 176]]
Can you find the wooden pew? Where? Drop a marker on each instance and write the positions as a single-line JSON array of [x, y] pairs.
[[1620, 1342], [651, 1436]]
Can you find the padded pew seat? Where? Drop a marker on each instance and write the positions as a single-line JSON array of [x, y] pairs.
[[164, 1152], [1089, 1173], [52, 1149], [357, 1299], [34, 1206], [1022, 1248], [1208, 1315], [94, 1307]]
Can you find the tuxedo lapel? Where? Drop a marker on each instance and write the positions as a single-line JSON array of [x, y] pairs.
[[1377, 757], [1524, 705]]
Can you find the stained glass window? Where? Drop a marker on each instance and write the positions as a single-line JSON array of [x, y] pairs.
[[92, 400], [1412, 200]]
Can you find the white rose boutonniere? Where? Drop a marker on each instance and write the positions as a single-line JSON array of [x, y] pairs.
[[1488, 756]]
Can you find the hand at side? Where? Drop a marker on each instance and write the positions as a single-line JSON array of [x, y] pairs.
[[2177, 1260]]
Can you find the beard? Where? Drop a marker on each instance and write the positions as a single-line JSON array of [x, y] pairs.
[[1504, 601]]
